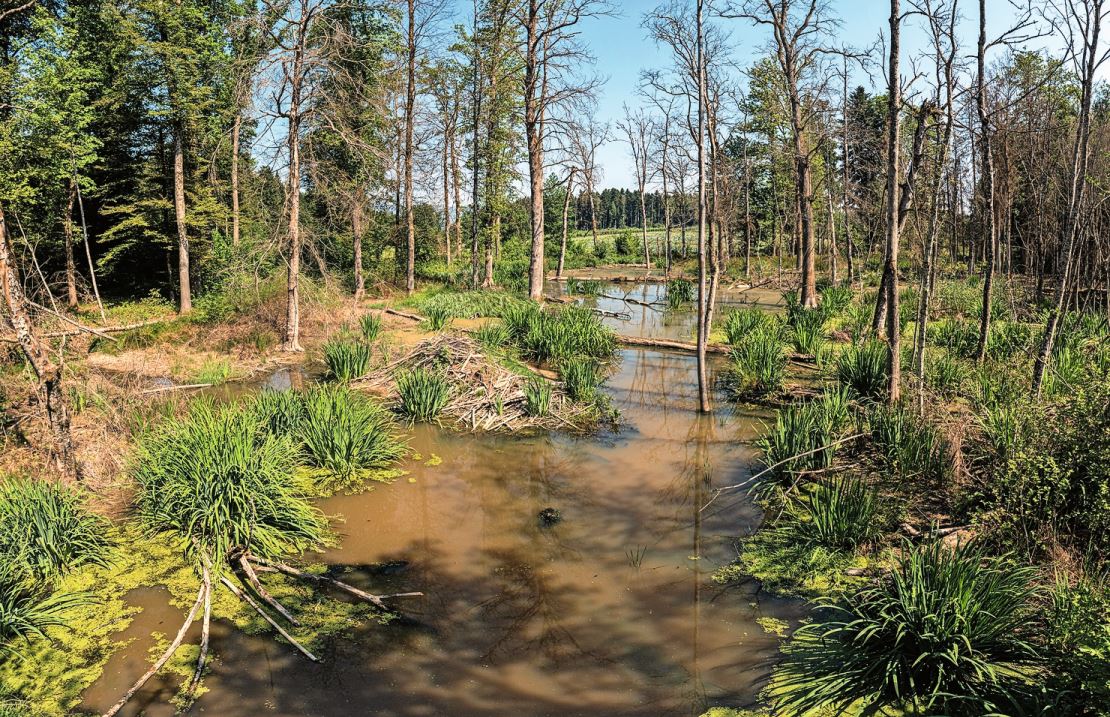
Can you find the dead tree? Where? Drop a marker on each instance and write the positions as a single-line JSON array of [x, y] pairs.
[[639, 128]]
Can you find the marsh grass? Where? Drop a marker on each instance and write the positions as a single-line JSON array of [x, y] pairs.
[[424, 393], [552, 337], [345, 435], [841, 514], [741, 323], [371, 327], [759, 363], [805, 428], [493, 336], [436, 318], [537, 396], [214, 481], [945, 633], [909, 446], [346, 360], [679, 292], [581, 377], [863, 368]]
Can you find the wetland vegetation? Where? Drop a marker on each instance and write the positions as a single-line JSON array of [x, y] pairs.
[[333, 380]]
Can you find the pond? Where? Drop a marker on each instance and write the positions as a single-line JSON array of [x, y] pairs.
[[611, 610]]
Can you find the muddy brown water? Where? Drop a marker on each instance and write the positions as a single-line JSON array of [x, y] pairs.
[[611, 611]]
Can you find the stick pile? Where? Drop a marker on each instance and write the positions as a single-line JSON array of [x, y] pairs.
[[485, 396]]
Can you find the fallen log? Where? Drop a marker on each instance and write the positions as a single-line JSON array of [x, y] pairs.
[[266, 616], [671, 344], [85, 329], [375, 600], [402, 314]]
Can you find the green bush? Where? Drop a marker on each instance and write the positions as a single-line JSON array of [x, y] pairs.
[[948, 633], [345, 434], [1078, 638], [537, 396], [215, 481], [346, 360], [862, 367], [424, 394], [46, 530]]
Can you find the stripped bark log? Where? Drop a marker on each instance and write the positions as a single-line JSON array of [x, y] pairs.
[[114, 709], [265, 616], [645, 342], [375, 600], [269, 599], [205, 631]]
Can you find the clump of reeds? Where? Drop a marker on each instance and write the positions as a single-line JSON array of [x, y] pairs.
[[424, 394], [581, 377], [863, 368], [759, 362], [347, 434], [537, 396], [346, 360], [371, 325]]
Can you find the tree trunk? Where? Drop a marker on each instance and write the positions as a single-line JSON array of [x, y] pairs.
[[703, 337], [566, 216], [67, 227], [185, 299], [292, 306], [894, 104], [356, 230], [48, 372], [990, 235], [410, 120], [235, 128]]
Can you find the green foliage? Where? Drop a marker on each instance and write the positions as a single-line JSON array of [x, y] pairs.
[[469, 304], [46, 531], [493, 336], [537, 396], [742, 322], [835, 300], [581, 377], [863, 368], [584, 287], [801, 438], [215, 481], [346, 360], [680, 291], [841, 514], [27, 611], [959, 337], [371, 326], [436, 318], [1078, 639], [572, 331], [424, 394], [945, 375], [946, 633], [809, 340], [215, 371], [759, 363], [345, 434], [908, 446]]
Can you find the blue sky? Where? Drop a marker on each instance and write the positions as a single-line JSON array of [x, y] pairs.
[[622, 52]]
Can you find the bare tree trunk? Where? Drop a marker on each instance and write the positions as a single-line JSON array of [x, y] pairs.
[[566, 216], [67, 227], [447, 194], [703, 337], [533, 131], [235, 129], [356, 230], [48, 372], [410, 121], [292, 286], [894, 104], [185, 300], [990, 238]]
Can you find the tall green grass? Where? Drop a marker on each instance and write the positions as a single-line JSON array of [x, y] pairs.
[[537, 396], [46, 530], [215, 481], [801, 438], [436, 318], [740, 323], [581, 377], [862, 367], [841, 514], [759, 363], [346, 434], [571, 331], [346, 360], [27, 611], [908, 445], [424, 394], [371, 326], [946, 634], [679, 292]]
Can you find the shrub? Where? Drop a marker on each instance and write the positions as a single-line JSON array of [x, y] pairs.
[[625, 244], [581, 377], [863, 368], [946, 633], [1078, 638], [345, 434], [46, 530], [216, 482], [346, 360], [537, 396], [424, 394], [371, 325], [759, 363]]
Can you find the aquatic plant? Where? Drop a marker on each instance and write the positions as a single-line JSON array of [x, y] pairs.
[[740, 323], [759, 363], [436, 318], [907, 444], [584, 287], [835, 300], [346, 434], [808, 340], [215, 482], [946, 633], [572, 331], [47, 531], [371, 325], [493, 336], [945, 375], [424, 394], [278, 412], [581, 377], [537, 396], [801, 438], [839, 515], [863, 368], [346, 360], [679, 291], [469, 304], [26, 611]]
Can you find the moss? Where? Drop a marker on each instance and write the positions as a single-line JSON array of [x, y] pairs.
[[773, 626], [788, 569]]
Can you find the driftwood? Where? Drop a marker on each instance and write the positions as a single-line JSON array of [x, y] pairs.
[[263, 593], [266, 616], [375, 600], [161, 660], [403, 314], [205, 631], [182, 387], [931, 533]]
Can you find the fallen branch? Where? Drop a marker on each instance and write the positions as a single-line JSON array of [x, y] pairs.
[[265, 616], [262, 592], [204, 631], [161, 660], [181, 387], [403, 314], [773, 466], [671, 344], [84, 329], [375, 600]]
